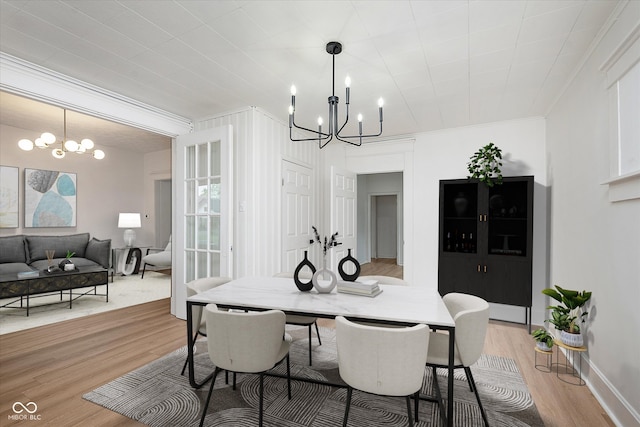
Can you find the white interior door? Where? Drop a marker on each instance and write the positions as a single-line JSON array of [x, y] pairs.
[[202, 236], [343, 216], [296, 213]]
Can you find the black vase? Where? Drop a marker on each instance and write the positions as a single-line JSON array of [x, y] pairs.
[[304, 287], [63, 263], [343, 274]]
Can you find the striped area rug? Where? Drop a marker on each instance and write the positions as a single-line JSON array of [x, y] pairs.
[[157, 395]]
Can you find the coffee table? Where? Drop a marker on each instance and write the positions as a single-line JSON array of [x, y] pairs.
[[49, 283]]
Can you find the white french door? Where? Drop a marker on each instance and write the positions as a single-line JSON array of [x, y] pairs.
[[203, 226], [343, 216], [297, 209]]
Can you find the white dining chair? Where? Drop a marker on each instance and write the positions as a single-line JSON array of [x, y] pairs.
[[245, 342], [382, 361], [198, 325], [297, 320], [471, 316]]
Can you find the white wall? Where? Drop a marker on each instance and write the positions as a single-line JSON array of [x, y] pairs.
[[595, 244], [444, 155], [260, 144]]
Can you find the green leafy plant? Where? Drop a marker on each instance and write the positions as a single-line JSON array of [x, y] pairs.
[[541, 335], [70, 254], [570, 312], [485, 165]]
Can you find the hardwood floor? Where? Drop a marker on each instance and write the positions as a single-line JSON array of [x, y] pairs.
[[55, 365]]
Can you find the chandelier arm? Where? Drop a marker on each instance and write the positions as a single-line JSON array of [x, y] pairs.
[[363, 136], [321, 145], [341, 138], [307, 139]]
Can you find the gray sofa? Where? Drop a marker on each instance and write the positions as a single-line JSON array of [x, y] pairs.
[[25, 253]]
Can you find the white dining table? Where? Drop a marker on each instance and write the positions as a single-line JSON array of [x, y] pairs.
[[395, 305]]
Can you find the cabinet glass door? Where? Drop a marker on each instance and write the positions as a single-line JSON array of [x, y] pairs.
[[508, 219], [460, 221]]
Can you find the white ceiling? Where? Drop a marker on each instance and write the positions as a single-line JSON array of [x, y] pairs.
[[437, 64]]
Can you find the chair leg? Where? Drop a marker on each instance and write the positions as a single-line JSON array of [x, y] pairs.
[[318, 332], [186, 362], [475, 389], [408, 398], [288, 376], [206, 405], [310, 361], [346, 410], [144, 266], [416, 401], [472, 386], [443, 413], [261, 397]]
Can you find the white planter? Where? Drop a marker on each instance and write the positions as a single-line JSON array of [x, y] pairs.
[[572, 340], [543, 346]]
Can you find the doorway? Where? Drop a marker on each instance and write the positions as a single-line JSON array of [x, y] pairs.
[[380, 217], [162, 211]]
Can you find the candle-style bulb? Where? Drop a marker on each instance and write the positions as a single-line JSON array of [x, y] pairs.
[[380, 102], [290, 109], [347, 81], [293, 90], [319, 121], [360, 118]]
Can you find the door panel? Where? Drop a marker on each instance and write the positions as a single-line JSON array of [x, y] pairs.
[[296, 213], [343, 216], [202, 202]]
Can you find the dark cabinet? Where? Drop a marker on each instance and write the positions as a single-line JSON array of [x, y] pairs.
[[485, 239]]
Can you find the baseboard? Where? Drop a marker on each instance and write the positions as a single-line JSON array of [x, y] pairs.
[[619, 410]]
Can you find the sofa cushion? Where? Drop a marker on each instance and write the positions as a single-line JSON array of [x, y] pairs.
[[98, 251], [37, 245], [14, 267], [12, 249]]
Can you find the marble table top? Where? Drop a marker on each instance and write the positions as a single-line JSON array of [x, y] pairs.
[[400, 304]]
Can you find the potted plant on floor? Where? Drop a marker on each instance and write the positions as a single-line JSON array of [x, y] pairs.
[[544, 340], [568, 315]]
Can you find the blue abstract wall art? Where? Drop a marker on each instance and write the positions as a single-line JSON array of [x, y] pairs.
[[50, 198]]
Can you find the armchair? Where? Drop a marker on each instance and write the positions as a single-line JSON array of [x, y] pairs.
[[157, 257]]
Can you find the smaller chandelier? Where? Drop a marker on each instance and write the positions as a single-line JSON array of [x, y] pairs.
[[333, 48], [48, 140]]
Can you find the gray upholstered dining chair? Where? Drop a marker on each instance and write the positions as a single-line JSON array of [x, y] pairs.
[[198, 325], [250, 342], [382, 361], [308, 321], [471, 316]]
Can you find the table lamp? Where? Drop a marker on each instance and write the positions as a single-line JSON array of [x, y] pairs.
[[129, 221]]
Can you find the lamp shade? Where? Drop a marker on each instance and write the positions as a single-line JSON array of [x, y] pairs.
[[129, 220]]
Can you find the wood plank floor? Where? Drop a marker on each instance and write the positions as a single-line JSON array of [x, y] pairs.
[[55, 365]]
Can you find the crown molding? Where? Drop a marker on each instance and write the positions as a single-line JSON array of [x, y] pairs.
[[26, 79]]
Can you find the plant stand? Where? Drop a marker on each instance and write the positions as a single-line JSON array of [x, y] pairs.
[[547, 358], [570, 375]]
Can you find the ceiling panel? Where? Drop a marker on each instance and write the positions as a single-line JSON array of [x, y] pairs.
[[437, 63]]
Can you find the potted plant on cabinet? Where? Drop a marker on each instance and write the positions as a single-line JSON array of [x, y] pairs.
[[544, 340], [485, 165], [568, 315]]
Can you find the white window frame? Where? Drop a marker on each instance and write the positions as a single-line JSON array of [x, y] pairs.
[[627, 55]]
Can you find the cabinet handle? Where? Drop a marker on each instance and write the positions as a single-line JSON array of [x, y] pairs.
[[485, 268], [478, 268], [485, 217]]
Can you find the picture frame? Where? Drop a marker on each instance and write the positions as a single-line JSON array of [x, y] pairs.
[[50, 198]]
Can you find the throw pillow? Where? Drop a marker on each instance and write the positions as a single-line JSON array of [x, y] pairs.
[[98, 251], [12, 249]]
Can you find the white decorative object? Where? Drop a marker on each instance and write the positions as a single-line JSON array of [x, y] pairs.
[[324, 286], [572, 340], [129, 221], [69, 267]]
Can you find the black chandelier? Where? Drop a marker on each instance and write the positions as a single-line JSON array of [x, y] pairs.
[[333, 48]]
